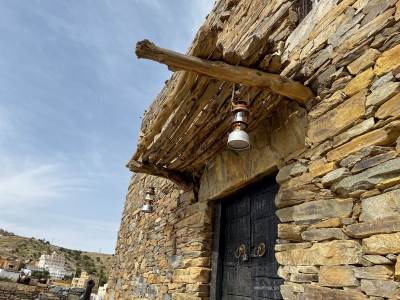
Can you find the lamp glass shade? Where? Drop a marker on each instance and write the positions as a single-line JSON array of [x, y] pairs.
[[238, 140], [149, 197], [147, 208], [240, 116]]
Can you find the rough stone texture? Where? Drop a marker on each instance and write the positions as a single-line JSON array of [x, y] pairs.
[[337, 276], [378, 226], [291, 232], [324, 234], [382, 206], [388, 183], [363, 61], [382, 244], [326, 105], [291, 246], [290, 171], [330, 253], [316, 210], [373, 161], [170, 245], [391, 108], [380, 272], [380, 288], [314, 292], [388, 61], [338, 119], [380, 137], [362, 81], [299, 194], [368, 178], [353, 132], [230, 171], [378, 259], [335, 176], [383, 93]]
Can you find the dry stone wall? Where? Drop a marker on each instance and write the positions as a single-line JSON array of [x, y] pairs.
[[165, 254], [340, 199]]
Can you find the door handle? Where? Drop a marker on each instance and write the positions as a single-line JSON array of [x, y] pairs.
[[259, 251]]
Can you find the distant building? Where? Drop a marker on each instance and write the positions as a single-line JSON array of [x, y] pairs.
[[54, 263], [9, 264], [101, 293], [81, 282], [10, 273]]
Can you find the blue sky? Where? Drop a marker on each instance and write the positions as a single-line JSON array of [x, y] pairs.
[[71, 95]]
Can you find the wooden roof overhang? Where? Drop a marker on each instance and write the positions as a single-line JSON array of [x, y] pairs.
[[188, 123]]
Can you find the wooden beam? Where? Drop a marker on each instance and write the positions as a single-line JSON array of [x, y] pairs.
[[222, 71], [176, 177]]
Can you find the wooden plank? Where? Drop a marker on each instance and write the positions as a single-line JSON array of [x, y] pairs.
[[203, 45], [176, 177], [222, 71]]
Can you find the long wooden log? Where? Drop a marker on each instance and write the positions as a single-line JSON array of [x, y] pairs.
[[222, 71], [176, 177]]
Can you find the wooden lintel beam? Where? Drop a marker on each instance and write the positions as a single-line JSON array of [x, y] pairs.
[[223, 71], [176, 177]]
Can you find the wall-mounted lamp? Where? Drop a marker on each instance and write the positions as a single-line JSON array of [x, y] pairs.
[[238, 139], [147, 206]]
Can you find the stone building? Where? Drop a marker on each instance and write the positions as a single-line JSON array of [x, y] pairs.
[[312, 209]]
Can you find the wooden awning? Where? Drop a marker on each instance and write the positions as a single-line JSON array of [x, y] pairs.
[[188, 123]]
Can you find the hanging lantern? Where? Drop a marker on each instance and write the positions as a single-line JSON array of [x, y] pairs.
[[238, 139], [147, 206]]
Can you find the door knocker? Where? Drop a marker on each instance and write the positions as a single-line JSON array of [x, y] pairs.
[[241, 252]]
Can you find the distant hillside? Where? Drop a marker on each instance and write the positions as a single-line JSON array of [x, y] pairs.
[[28, 251]]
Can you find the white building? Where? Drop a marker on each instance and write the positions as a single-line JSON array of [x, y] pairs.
[[100, 293], [9, 274], [54, 264]]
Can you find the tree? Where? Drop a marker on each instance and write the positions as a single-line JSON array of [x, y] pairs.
[[21, 266], [78, 272], [98, 259]]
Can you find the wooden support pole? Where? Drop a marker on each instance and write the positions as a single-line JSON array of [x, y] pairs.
[[222, 71], [176, 177]]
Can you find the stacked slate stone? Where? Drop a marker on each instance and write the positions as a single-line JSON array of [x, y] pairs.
[[340, 199], [164, 254]]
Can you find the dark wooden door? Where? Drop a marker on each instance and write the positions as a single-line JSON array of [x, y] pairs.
[[248, 218]]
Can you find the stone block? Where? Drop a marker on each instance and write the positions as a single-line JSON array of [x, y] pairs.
[[291, 246], [329, 253], [290, 232], [288, 196], [388, 183], [174, 261], [378, 259], [369, 178], [379, 288], [329, 223], [360, 82], [299, 277], [363, 153], [290, 171], [380, 272], [380, 137], [192, 275], [383, 94], [353, 132], [391, 108], [324, 234], [388, 61], [338, 119], [315, 292], [185, 296], [382, 81], [363, 61], [397, 270], [197, 262], [337, 276], [382, 206], [382, 244], [308, 269], [373, 161], [326, 105], [335, 176], [316, 210], [379, 226]]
